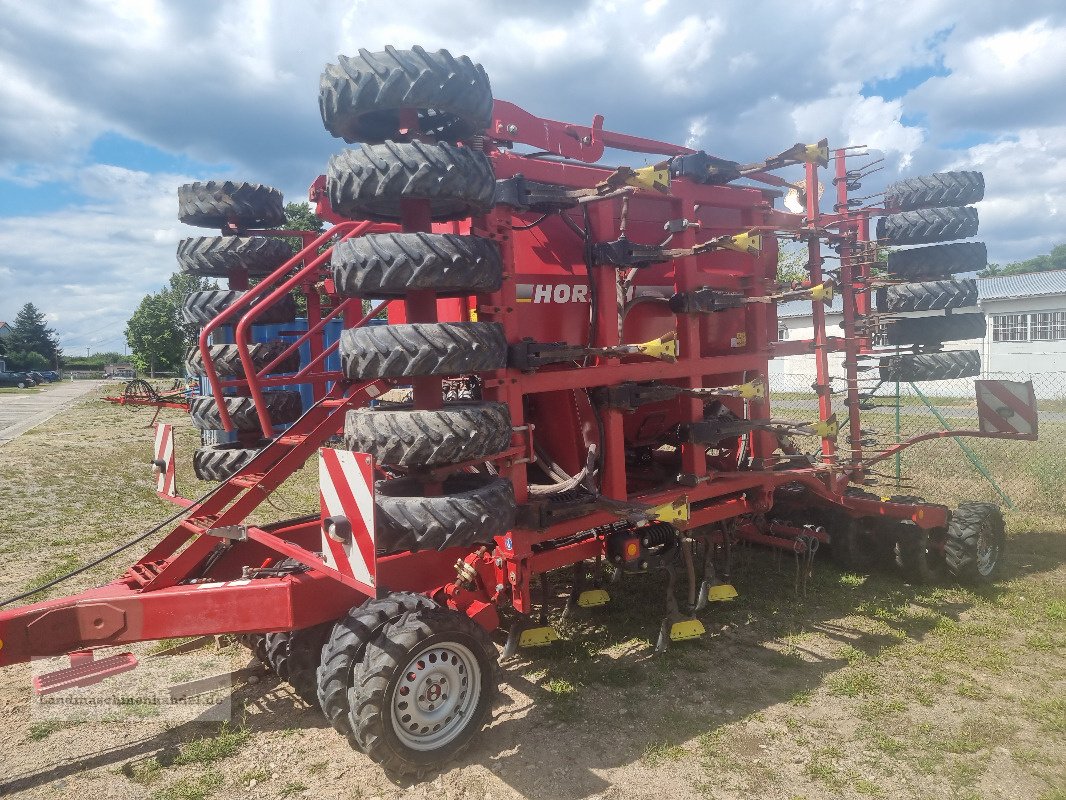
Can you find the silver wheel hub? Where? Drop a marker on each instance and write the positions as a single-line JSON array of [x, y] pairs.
[[987, 551], [436, 695]]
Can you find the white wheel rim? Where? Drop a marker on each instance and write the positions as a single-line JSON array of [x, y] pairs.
[[436, 695]]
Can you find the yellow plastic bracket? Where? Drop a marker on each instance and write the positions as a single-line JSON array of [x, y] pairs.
[[749, 243], [677, 511], [655, 178], [817, 153], [665, 347], [590, 598], [752, 390], [828, 429], [721, 592], [686, 629], [823, 292], [538, 637]]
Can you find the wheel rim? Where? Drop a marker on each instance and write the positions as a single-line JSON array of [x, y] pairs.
[[987, 551], [436, 696]]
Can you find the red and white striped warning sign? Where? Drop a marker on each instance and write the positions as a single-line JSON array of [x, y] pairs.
[[346, 482], [163, 465], [1006, 407]]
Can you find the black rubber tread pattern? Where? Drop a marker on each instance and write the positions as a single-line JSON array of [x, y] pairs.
[[220, 462], [934, 330], [375, 677], [429, 348], [344, 647], [218, 256], [403, 437], [392, 264], [200, 308], [917, 555], [360, 96], [472, 509], [277, 653], [931, 366], [937, 261], [939, 190], [961, 546], [928, 225], [214, 204], [283, 407], [372, 181], [928, 296], [851, 542], [227, 359]]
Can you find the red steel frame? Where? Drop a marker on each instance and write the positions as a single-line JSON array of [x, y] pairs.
[[169, 593]]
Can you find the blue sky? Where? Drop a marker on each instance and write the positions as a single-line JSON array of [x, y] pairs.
[[107, 107]]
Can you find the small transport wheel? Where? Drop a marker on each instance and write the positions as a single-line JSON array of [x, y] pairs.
[[935, 330], [219, 256], [851, 543], [927, 225], [283, 408], [919, 553], [303, 658], [472, 508], [227, 359], [277, 653], [976, 543], [393, 264], [220, 462], [374, 181], [938, 261], [429, 348], [362, 97], [215, 204], [928, 296], [939, 190], [345, 645], [931, 366], [405, 437], [423, 690]]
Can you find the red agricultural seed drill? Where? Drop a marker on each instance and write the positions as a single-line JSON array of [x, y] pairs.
[[584, 350]]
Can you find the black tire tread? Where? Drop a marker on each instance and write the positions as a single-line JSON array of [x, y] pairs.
[[199, 308], [960, 548], [277, 653], [404, 437], [939, 190], [219, 256], [214, 204], [937, 261], [931, 366], [440, 348], [927, 225], [935, 330], [928, 296], [360, 96], [220, 462], [372, 181], [472, 508], [392, 264], [284, 407], [227, 359]]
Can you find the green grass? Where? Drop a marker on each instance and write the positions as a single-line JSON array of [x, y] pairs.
[[209, 749], [198, 787]]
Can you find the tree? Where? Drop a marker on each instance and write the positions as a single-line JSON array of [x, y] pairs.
[[32, 344], [1056, 259], [300, 217], [792, 265], [157, 336]]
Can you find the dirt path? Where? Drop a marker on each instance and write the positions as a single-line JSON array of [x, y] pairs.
[[23, 411]]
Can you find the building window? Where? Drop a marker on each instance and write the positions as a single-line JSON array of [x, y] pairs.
[[782, 333], [1010, 328], [1048, 326]]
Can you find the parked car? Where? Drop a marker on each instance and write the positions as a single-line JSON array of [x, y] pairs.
[[40, 377], [19, 380], [51, 375]]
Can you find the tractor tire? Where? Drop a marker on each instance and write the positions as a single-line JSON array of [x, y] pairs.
[[220, 462], [277, 653], [200, 308], [283, 408], [473, 508], [938, 261], [438, 348], [976, 543], [304, 657], [927, 225], [423, 690], [215, 204], [345, 645], [372, 182], [393, 264], [930, 296], [218, 256], [361, 97], [917, 555], [939, 190], [404, 437], [934, 330], [227, 359], [851, 543], [931, 366]]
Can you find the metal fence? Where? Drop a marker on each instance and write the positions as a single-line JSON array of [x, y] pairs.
[[1021, 475]]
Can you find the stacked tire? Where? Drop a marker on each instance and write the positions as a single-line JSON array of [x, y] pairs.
[[934, 306], [232, 207], [416, 116]]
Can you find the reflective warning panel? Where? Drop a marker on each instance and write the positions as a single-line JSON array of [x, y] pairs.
[[1006, 407], [346, 481]]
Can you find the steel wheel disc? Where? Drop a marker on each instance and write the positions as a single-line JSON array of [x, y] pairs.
[[987, 551], [436, 695]]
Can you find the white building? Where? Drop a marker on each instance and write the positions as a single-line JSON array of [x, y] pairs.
[[1026, 332]]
